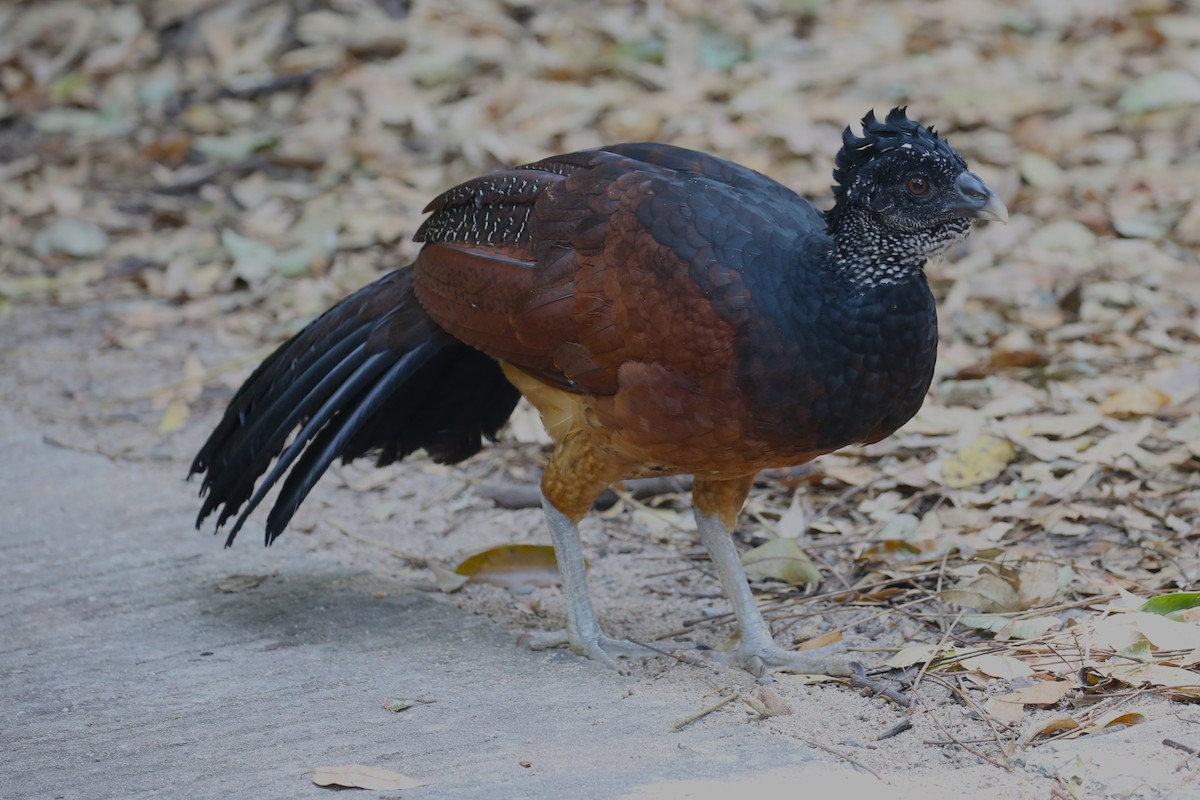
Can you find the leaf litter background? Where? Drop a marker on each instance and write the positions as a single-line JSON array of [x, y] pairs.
[[184, 183]]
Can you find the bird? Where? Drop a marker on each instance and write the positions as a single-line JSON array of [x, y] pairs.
[[665, 311]]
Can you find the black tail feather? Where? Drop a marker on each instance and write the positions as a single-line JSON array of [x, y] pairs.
[[364, 376], [251, 452], [331, 441], [373, 374]]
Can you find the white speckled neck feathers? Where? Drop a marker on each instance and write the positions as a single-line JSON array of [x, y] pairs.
[[867, 254]]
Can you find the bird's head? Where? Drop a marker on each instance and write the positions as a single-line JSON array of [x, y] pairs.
[[906, 189]]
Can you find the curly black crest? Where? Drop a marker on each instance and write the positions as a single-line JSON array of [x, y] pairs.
[[896, 131]]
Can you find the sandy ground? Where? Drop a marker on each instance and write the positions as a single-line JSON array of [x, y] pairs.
[[128, 671]]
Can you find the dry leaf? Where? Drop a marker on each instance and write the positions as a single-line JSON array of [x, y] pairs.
[[782, 560], [176, 414], [359, 776], [1006, 628], [767, 703], [1115, 718], [1006, 711], [794, 521], [1037, 583], [448, 581], [824, 640], [1135, 401], [1152, 674], [912, 654], [240, 583], [979, 462], [1056, 725], [1020, 359], [999, 666], [856, 475], [1120, 631], [1041, 693], [986, 592], [520, 568], [398, 704]]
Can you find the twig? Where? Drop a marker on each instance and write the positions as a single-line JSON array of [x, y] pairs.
[[194, 178], [897, 729], [883, 613], [667, 653], [859, 680], [1094, 712], [984, 716], [844, 757], [1191, 751], [925, 667], [704, 712], [870, 587], [256, 86], [407, 556], [832, 571], [958, 741], [1187, 748], [843, 497]]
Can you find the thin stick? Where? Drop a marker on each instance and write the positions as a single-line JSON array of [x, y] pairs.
[[844, 757], [781, 604], [1094, 711], [704, 712], [407, 556], [941, 645], [691, 662], [897, 729], [843, 497], [859, 680], [978, 709], [959, 742], [883, 613]]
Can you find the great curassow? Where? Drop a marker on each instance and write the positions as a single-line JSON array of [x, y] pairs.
[[664, 310]]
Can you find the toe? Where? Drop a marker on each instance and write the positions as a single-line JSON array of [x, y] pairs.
[[602, 648], [542, 640], [821, 661]]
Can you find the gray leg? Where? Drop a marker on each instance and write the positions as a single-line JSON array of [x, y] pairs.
[[582, 634], [757, 651]]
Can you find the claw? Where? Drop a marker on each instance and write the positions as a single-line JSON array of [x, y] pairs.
[[543, 640]]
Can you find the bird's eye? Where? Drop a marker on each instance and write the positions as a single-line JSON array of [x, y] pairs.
[[917, 185]]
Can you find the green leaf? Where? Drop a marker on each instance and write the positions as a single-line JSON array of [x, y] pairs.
[[721, 50], [73, 237], [1171, 88], [74, 121], [252, 259], [1167, 604], [233, 147]]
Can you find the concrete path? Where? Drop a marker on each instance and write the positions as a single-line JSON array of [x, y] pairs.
[[125, 671]]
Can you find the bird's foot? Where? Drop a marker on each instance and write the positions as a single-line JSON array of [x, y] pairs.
[[599, 648], [761, 659]]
